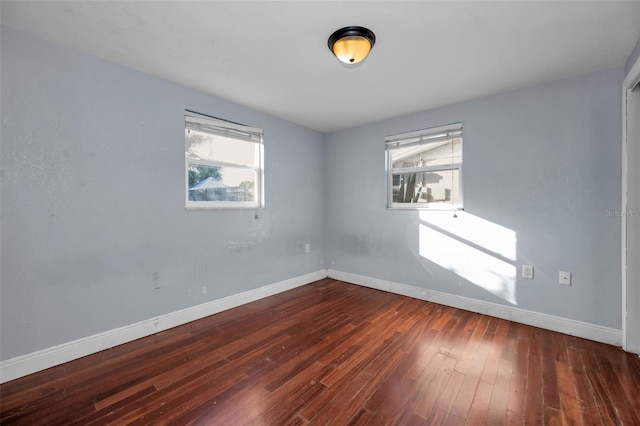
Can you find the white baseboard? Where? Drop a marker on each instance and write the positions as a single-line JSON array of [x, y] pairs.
[[36, 361], [571, 327]]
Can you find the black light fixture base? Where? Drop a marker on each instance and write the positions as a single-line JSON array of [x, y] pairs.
[[352, 31]]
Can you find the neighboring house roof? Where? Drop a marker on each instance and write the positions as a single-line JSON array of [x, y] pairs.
[[208, 183]]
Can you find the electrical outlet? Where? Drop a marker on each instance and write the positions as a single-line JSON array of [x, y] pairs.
[[564, 278], [307, 248], [527, 271]]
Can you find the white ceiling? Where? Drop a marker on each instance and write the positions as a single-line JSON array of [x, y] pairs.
[[273, 56]]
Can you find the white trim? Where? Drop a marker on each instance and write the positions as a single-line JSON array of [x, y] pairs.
[[196, 118], [392, 144], [623, 226], [215, 163], [223, 205], [571, 327], [36, 361], [630, 80], [438, 168], [448, 131]]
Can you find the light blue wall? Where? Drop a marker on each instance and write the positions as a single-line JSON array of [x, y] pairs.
[[541, 164], [95, 235], [94, 231]]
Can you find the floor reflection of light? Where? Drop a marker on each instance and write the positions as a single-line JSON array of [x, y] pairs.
[[473, 248]]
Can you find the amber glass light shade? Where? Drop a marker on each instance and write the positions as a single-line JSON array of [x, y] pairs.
[[352, 44], [352, 49]]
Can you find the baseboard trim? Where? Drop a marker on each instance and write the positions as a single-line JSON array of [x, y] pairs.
[[40, 360], [571, 327]]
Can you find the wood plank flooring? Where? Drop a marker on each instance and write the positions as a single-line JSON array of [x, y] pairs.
[[338, 354]]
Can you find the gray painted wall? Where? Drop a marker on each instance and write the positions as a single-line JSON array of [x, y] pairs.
[[541, 165], [633, 57], [94, 231], [95, 235]]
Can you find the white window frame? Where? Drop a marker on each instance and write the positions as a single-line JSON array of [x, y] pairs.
[[430, 135], [208, 124]]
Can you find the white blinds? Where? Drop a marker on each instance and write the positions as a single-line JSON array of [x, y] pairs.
[[434, 134], [216, 126]]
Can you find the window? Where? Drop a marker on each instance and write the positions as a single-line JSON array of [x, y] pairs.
[[424, 168], [223, 162]]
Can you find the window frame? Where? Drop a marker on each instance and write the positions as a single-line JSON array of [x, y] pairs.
[[437, 134], [230, 130]]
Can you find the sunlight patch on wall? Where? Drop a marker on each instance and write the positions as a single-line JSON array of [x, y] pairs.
[[480, 251]]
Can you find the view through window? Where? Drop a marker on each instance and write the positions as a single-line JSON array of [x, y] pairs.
[[224, 163], [424, 168]]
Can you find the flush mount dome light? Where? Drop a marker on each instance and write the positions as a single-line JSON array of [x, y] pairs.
[[352, 44]]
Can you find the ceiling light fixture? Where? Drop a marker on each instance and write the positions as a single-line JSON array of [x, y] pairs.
[[352, 44]]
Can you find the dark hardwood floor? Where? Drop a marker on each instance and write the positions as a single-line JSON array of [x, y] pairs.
[[335, 353]]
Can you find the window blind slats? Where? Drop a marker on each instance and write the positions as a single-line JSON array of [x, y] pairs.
[[402, 170], [219, 127], [205, 162], [231, 133], [436, 134]]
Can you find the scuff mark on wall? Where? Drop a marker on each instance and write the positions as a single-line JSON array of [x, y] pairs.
[[258, 232], [154, 278]]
